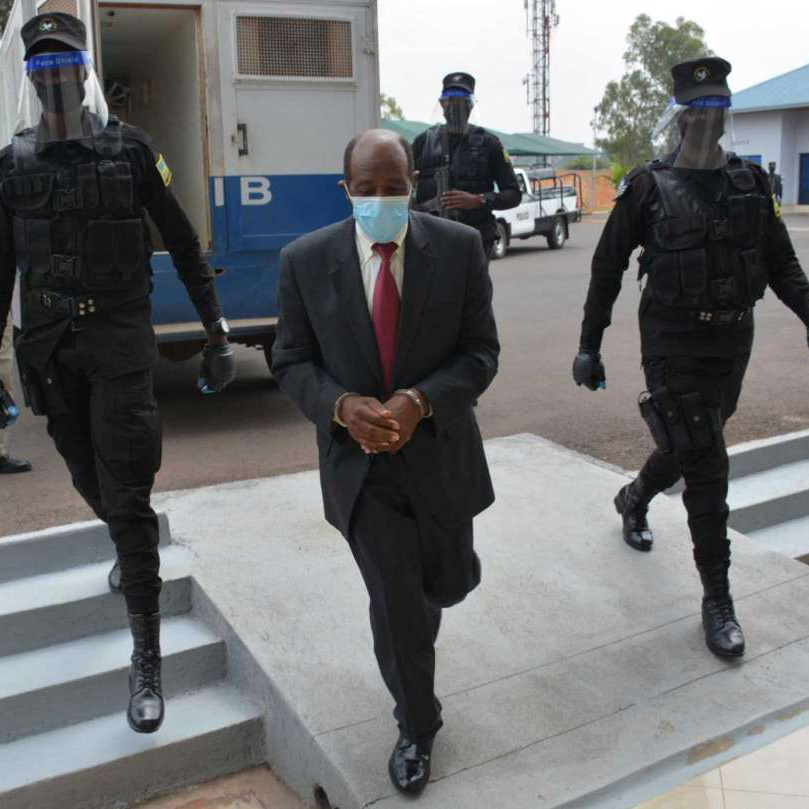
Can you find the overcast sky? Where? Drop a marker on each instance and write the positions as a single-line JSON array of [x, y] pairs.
[[422, 40]]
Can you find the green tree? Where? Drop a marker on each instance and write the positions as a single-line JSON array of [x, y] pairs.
[[388, 106], [5, 9], [630, 107]]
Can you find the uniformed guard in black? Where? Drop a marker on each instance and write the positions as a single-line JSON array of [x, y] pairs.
[[459, 164], [74, 191], [712, 243], [776, 183]]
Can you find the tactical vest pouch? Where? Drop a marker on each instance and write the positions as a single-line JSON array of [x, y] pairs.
[[679, 279], [680, 234], [87, 183], [114, 253], [32, 246], [26, 193], [693, 274], [753, 272], [115, 180], [745, 220]]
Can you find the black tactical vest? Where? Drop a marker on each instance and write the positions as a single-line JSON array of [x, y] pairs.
[[703, 253], [78, 226], [469, 167]]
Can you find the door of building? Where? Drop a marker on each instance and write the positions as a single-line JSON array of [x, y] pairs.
[[803, 183]]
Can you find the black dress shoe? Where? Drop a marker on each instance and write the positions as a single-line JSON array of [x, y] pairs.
[[13, 466], [632, 503], [146, 707], [114, 579], [409, 766]]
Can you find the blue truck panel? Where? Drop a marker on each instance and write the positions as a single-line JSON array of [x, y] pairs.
[[252, 218]]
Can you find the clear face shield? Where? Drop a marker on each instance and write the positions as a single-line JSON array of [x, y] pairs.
[[62, 98], [457, 109], [693, 131]]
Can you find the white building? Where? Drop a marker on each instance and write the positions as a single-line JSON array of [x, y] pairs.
[[771, 123]]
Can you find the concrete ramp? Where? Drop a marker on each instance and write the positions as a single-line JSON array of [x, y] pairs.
[[576, 675]]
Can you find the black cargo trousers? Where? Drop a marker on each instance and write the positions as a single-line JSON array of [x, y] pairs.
[[110, 436], [718, 380]]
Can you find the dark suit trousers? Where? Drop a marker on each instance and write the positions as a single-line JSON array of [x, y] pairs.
[[719, 382], [412, 567]]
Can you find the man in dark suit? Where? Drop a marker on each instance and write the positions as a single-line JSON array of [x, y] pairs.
[[385, 339]]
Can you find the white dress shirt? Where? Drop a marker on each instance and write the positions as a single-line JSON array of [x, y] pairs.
[[371, 263]]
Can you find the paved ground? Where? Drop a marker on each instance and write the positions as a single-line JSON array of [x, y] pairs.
[[253, 431]]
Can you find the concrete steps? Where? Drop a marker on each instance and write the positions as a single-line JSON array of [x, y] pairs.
[[64, 657], [769, 492]]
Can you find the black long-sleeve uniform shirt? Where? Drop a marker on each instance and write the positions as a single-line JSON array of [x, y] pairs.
[[500, 171], [661, 332], [122, 337]]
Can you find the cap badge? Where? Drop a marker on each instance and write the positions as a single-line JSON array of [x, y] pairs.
[[47, 26], [701, 73]]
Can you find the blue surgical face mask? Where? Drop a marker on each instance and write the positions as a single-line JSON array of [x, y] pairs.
[[382, 218]]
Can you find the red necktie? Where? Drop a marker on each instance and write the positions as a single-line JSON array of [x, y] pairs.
[[386, 311]]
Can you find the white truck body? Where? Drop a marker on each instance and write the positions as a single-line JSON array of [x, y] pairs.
[[550, 204], [251, 103]]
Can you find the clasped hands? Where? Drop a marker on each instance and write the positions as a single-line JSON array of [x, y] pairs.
[[377, 426]]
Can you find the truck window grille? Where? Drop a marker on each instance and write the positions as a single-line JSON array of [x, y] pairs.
[[66, 6], [294, 47]]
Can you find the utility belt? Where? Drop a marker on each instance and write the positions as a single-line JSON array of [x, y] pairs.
[[76, 306], [678, 422], [723, 317]]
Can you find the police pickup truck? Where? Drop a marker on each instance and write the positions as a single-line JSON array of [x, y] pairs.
[[550, 203]]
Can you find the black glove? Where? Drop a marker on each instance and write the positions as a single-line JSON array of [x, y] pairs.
[[9, 412], [218, 368], [588, 370]]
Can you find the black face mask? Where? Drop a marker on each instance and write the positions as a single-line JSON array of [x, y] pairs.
[[457, 116], [62, 97]]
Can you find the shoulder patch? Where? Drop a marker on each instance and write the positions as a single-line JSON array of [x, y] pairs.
[[163, 170], [506, 155], [776, 205], [626, 180]]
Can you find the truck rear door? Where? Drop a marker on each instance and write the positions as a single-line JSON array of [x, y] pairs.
[[299, 81]]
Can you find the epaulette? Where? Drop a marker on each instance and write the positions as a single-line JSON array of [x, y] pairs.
[[134, 133]]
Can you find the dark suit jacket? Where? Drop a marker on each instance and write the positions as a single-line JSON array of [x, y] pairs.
[[447, 348]]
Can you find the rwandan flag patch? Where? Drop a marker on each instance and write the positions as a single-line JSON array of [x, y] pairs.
[[165, 171]]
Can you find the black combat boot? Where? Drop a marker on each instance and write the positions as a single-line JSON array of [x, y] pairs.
[[632, 503], [723, 635], [146, 708]]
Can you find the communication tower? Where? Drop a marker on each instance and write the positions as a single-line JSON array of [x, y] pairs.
[[542, 17]]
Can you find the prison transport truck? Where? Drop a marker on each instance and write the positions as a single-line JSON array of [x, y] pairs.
[[550, 204], [251, 105]]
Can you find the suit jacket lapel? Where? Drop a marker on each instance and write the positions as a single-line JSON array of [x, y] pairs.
[[418, 278], [347, 279]]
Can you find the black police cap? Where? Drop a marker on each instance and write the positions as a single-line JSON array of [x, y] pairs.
[[463, 81], [57, 27], [701, 77]]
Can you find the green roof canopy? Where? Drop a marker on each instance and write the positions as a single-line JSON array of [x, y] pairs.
[[518, 145]]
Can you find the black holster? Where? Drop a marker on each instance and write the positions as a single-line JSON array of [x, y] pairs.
[[680, 423], [42, 391]]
